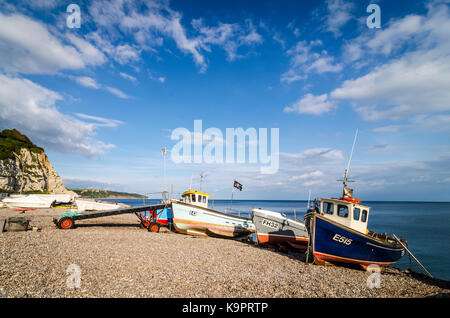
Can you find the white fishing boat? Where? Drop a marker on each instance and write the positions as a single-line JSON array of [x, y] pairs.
[[43, 201], [91, 205], [192, 216], [274, 228]]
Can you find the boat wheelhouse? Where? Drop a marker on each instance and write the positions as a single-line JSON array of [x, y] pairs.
[[351, 214], [196, 198]]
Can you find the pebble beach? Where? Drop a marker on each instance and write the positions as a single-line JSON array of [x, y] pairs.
[[117, 258]]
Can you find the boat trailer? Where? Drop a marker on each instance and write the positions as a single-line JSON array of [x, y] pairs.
[[148, 216]]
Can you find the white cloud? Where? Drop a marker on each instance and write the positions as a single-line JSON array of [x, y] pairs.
[[126, 54], [85, 81], [128, 77], [312, 105], [314, 156], [383, 149], [89, 82], [252, 37], [89, 53], [323, 65], [100, 121], [117, 92], [291, 76], [121, 53], [386, 129], [309, 175], [22, 43], [277, 38], [304, 60], [152, 23], [295, 30], [228, 36], [432, 122], [338, 15], [410, 75], [146, 21], [32, 109], [416, 83], [43, 4]]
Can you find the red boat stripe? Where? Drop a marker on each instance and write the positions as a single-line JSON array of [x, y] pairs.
[[323, 256]]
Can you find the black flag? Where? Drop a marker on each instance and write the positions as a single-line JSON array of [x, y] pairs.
[[237, 185]]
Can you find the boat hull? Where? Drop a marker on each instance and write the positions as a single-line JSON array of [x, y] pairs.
[[194, 220], [25, 205], [332, 242], [42, 201], [274, 229]]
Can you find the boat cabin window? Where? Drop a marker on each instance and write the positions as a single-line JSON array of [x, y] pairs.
[[328, 207], [204, 199], [364, 216], [356, 213], [193, 197], [343, 211]]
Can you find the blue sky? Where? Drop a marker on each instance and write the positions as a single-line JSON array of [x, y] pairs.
[[104, 98]]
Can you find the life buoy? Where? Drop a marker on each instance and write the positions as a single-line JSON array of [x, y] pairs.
[[354, 200]]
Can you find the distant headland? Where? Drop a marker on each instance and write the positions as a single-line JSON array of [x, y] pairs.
[[106, 194]]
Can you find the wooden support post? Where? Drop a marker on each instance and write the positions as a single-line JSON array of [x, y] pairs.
[[413, 257]]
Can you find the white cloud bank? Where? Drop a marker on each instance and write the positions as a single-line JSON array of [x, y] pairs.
[[151, 23], [31, 109], [410, 77], [22, 43], [411, 83]]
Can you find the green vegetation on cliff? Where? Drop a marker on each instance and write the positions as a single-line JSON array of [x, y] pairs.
[[11, 141], [97, 194]]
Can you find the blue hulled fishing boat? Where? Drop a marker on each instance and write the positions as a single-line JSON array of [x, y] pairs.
[[338, 232]]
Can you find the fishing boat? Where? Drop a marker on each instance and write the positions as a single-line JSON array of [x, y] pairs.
[[44, 201], [273, 228], [191, 215], [338, 232]]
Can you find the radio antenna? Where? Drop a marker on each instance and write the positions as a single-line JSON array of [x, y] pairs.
[[349, 192], [351, 154]]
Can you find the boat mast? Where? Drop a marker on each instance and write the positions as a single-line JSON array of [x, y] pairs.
[[202, 176], [346, 191], [163, 151], [309, 199]]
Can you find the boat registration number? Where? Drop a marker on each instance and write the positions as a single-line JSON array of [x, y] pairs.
[[193, 213], [270, 224], [342, 239]]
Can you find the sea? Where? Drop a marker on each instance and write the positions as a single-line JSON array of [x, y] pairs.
[[425, 225]]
